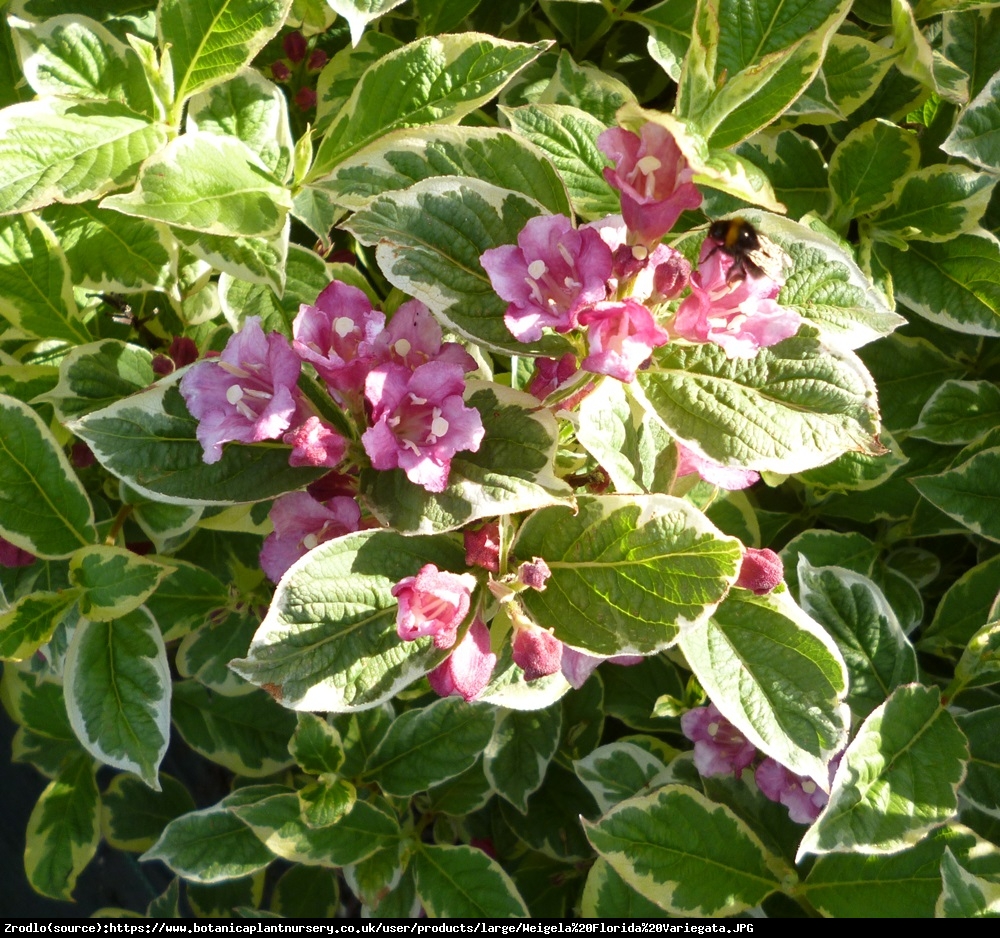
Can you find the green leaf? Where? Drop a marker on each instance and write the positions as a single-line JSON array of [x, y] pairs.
[[777, 676], [240, 897], [857, 472], [316, 746], [901, 885], [669, 25], [278, 822], [70, 150], [964, 608], [185, 599], [982, 783], [113, 581], [63, 830], [133, 817], [329, 640], [403, 158], [307, 892], [628, 572], [464, 882], [429, 240], [746, 65], [619, 771], [252, 109], [118, 686], [856, 614], [883, 799], [955, 283], [210, 846], [968, 492], [162, 524], [568, 137], [966, 895], [205, 652], [920, 61], [36, 291], [338, 79], [43, 507], [794, 406], [430, 744], [462, 794], [867, 165], [796, 168], [686, 854], [255, 260], [607, 895], [825, 548], [211, 42], [29, 623], [520, 750], [149, 441], [458, 73], [512, 470], [980, 662], [247, 734], [959, 412], [970, 41], [208, 183]]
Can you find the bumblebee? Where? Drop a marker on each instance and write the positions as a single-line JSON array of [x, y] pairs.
[[752, 252]]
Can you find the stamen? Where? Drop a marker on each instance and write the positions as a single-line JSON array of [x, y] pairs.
[[402, 348], [234, 393], [417, 400], [809, 786], [648, 164], [410, 445], [713, 728], [537, 269], [235, 370], [566, 256], [310, 541], [439, 426], [640, 252], [243, 409], [343, 326]]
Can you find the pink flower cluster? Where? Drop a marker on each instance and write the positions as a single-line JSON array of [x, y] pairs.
[[721, 749]]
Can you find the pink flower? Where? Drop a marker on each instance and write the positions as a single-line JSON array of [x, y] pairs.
[[413, 338], [761, 571], [536, 651], [294, 44], [533, 573], [246, 395], [652, 176], [719, 748], [554, 271], [467, 670], [419, 421], [550, 373], [482, 547], [656, 276], [13, 556], [336, 337], [802, 796], [621, 337], [300, 524], [741, 316], [577, 666], [315, 443], [434, 602], [731, 479]]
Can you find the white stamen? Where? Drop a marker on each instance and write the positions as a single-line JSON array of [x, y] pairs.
[[809, 786], [736, 323], [640, 252], [713, 728], [410, 445], [235, 370], [717, 322], [565, 255], [537, 269], [417, 400], [310, 541], [571, 283], [536, 293], [402, 348], [343, 326], [439, 426], [393, 422], [244, 411], [648, 164], [260, 395], [234, 393]]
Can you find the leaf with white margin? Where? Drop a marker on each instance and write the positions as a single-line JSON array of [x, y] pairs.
[[148, 440], [862, 623], [687, 854], [36, 287], [777, 676], [618, 771], [461, 881], [118, 685], [628, 572], [917, 59], [113, 580], [252, 109], [208, 183], [404, 157], [794, 406], [212, 40], [968, 492], [966, 895], [74, 56], [519, 752], [254, 260], [512, 471], [884, 799], [359, 13], [429, 239], [959, 412], [210, 846], [44, 508], [458, 74], [825, 285], [29, 623], [70, 150], [329, 641], [976, 134]]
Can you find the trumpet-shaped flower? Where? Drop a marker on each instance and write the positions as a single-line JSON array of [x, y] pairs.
[[802, 796], [536, 651], [653, 177], [434, 602], [553, 272], [725, 477], [467, 670], [761, 571], [621, 336], [719, 748], [247, 394], [419, 421], [413, 338], [302, 523], [315, 443]]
